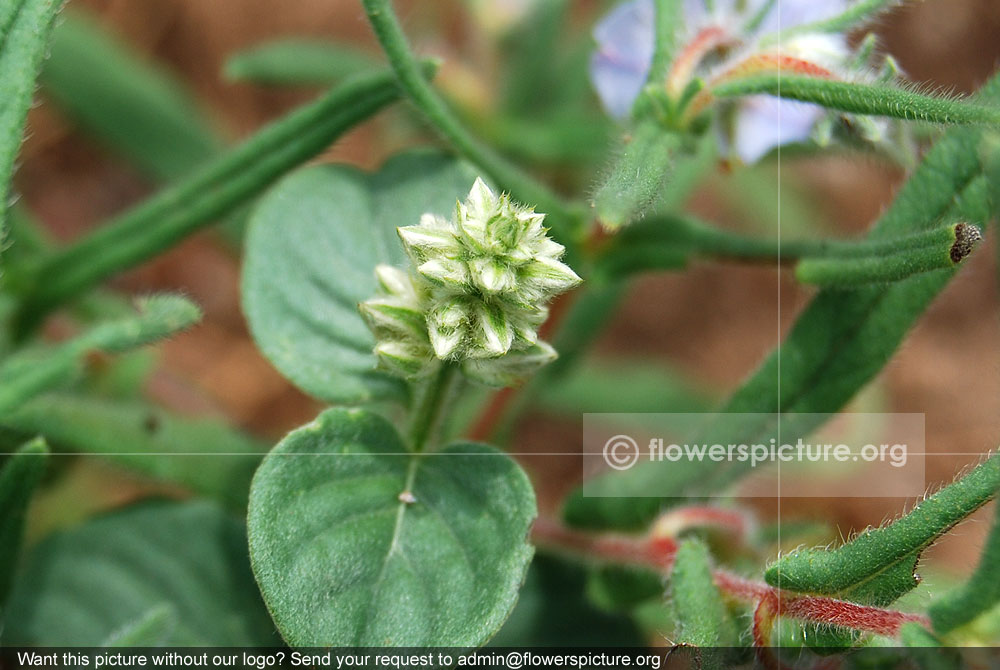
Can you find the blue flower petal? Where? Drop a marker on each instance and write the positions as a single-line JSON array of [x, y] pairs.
[[764, 123], [620, 66]]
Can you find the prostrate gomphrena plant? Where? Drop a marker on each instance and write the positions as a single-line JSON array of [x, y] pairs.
[[362, 534], [478, 294]]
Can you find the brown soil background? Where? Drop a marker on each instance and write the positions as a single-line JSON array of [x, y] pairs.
[[714, 322]]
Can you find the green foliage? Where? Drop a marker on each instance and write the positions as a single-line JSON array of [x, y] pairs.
[[201, 198], [24, 32], [85, 585], [19, 476], [31, 372], [701, 614], [639, 175], [625, 385], [153, 629], [297, 62], [356, 541], [142, 111], [311, 253], [857, 98], [877, 566], [976, 596], [926, 649], [201, 455], [843, 338], [507, 175]]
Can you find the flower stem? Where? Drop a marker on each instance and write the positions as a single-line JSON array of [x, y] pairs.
[[429, 405], [858, 98], [667, 22], [521, 185]]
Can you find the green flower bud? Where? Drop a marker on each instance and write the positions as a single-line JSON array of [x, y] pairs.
[[478, 296], [396, 317]]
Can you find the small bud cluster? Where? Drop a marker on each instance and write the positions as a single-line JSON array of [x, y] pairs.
[[478, 295]]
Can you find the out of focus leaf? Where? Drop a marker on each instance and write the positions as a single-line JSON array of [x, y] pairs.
[[552, 588], [297, 62], [202, 455], [24, 33], [976, 596], [135, 107], [152, 629], [624, 386], [32, 371], [81, 586], [19, 477]]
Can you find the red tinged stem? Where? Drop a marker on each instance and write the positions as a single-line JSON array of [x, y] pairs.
[[658, 552]]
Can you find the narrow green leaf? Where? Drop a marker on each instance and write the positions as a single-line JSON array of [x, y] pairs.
[[638, 176], [878, 565], [979, 594], [24, 33], [939, 248], [311, 252], [857, 98], [202, 455], [357, 542], [19, 477], [697, 602], [297, 62], [211, 192], [143, 111], [842, 337], [152, 629], [31, 372], [82, 586], [552, 588]]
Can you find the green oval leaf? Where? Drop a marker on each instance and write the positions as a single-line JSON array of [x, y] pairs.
[[311, 252], [342, 559], [84, 586]]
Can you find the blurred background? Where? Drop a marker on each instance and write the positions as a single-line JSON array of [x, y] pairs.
[[708, 328]]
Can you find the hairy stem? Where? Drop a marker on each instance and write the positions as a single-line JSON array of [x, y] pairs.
[[429, 404], [522, 186], [657, 552]]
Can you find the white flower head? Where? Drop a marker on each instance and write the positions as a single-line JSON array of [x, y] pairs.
[[480, 291]]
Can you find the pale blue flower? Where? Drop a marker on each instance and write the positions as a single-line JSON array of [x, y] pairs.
[[620, 66]]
